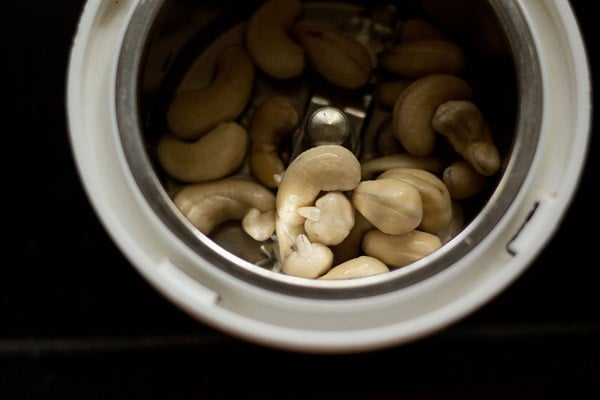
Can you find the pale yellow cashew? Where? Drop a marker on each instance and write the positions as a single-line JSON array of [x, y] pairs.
[[207, 205], [268, 41], [336, 56], [193, 113], [330, 220], [437, 206], [215, 155], [272, 121], [359, 267], [462, 180], [309, 260], [416, 106], [462, 123], [399, 250], [381, 164], [391, 205]]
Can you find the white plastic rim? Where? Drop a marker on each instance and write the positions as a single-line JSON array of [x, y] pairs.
[[315, 325]]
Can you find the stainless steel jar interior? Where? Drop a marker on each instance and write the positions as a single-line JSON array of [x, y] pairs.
[[164, 36]]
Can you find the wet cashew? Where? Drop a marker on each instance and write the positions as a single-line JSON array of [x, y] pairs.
[[192, 113], [329, 222], [268, 41], [309, 260], [207, 205], [462, 180], [387, 92], [462, 123], [437, 204], [273, 119], [213, 156], [415, 108], [259, 225], [321, 168], [417, 58], [391, 205], [377, 165], [336, 56], [359, 267], [399, 250], [418, 29]]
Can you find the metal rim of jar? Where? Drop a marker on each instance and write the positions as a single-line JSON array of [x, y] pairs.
[[528, 123]]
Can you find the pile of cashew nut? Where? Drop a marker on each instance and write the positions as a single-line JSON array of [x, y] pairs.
[[332, 214]]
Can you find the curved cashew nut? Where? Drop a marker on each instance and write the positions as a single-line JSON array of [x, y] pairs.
[[437, 206], [399, 250], [377, 165], [213, 156], [359, 267], [391, 205], [329, 222], [273, 119], [310, 260], [327, 167], [207, 205], [417, 58], [336, 56], [469, 134], [192, 113], [462, 180], [267, 39], [416, 106]]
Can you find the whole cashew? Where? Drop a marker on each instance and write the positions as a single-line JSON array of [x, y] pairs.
[[418, 58], [437, 204], [462, 123], [416, 106], [329, 222], [399, 250], [321, 168], [418, 29], [268, 41], [336, 56], [213, 156], [462, 180], [391, 205], [207, 205], [359, 267], [193, 113], [377, 165], [310, 260], [273, 119]]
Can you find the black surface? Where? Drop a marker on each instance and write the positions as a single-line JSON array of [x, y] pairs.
[[77, 321]]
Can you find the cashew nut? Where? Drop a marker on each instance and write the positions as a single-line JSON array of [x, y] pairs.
[[416, 106], [391, 205], [437, 206], [273, 119], [462, 180], [329, 222], [417, 58], [377, 165], [259, 225], [462, 123], [336, 56], [359, 267], [268, 41], [207, 205], [213, 156], [399, 250], [327, 168], [192, 113], [387, 92], [350, 247], [310, 260]]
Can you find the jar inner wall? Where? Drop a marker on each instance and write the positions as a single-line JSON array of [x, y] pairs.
[[172, 46]]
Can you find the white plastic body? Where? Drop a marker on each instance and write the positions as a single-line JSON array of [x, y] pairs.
[[329, 326]]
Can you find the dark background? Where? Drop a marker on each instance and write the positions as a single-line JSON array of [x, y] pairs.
[[77, 321]]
